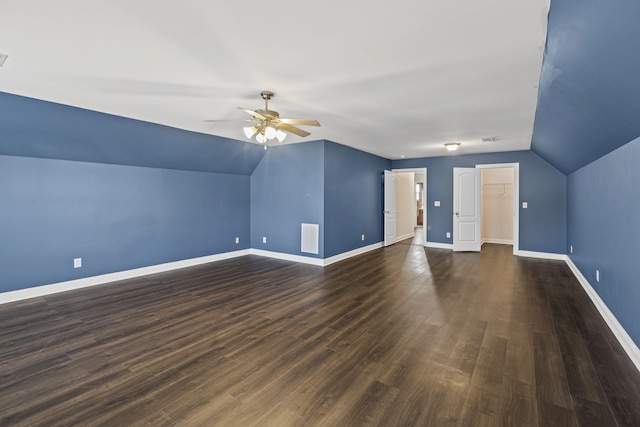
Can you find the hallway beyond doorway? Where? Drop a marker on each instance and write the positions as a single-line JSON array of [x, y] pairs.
[[417, 239]]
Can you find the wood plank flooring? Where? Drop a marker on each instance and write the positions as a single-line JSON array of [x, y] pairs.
[[400, 336]]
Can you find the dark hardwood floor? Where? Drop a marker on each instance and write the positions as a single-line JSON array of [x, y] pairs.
[[400, 336]]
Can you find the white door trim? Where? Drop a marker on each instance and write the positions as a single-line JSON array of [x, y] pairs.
[[390, 208], [424, 198], [516, 199]]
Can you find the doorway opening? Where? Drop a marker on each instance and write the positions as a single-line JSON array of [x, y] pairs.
[[405, 206], [499, 204], [468, 209]]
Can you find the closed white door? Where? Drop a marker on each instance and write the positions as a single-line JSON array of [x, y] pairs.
[[466, 209], [389, 208]]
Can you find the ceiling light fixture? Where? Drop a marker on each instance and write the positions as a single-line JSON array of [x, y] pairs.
[[270, 132], [452, 146], [268, 125], [249, 131], [264, 133]]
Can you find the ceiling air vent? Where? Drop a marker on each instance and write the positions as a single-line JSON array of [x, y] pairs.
[[3, 58], [490, 139]]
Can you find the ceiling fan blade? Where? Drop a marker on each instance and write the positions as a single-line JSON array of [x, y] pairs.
[[253, 113], [304, 122], [289, 128]]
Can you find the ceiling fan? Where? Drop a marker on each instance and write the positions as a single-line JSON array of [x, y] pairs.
[[268, 125]]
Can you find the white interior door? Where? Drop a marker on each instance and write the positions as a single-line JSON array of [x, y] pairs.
[[466, 209], [389, 208]]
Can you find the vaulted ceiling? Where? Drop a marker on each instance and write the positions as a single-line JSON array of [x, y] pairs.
[[392, 78], [398, 79], [589, 100]]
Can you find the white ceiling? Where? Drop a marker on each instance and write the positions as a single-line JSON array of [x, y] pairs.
[[391, 78]]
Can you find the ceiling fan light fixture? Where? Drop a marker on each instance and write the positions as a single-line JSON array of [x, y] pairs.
[[270, 132], [249, 131], [452, 146], [281, 135], [268, 125]]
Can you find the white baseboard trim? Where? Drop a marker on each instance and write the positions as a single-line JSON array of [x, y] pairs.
[[315, 261], [543, 255], [288, 257], [498, 241], [406, 236], [439, 245], [625, 340], [86, 282], [349, 254], [54, 288]]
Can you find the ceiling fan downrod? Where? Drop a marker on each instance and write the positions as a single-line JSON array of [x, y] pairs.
[[266, 95]]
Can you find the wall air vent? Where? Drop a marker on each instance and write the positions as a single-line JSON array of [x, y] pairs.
[[310, 233], [3, 58]]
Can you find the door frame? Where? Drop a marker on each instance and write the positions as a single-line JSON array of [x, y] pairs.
[[424, 197], [516, 199], [387, 240]]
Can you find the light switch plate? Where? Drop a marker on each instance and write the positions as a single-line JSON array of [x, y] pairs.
[[436, 203], [77, 262], [525, 205]]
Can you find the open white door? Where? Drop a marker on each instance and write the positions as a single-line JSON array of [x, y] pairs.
[[389, 208], [466, 209]]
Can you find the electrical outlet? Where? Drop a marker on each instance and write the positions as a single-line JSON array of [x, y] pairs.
[[264, 239], [363, 237], [77, 262], [571, 249], [597, 275], [448, 235], [237, 240], [436, 203]]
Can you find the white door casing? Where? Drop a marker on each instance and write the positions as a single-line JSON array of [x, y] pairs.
[[466, 209], [423, 172], [389, 208]]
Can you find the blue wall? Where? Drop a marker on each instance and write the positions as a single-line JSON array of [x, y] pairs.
[[318, 182], [353, 198], [602, 218], [589, 96], [34, 128], [287, 189], [114, 217], [542, 224]]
